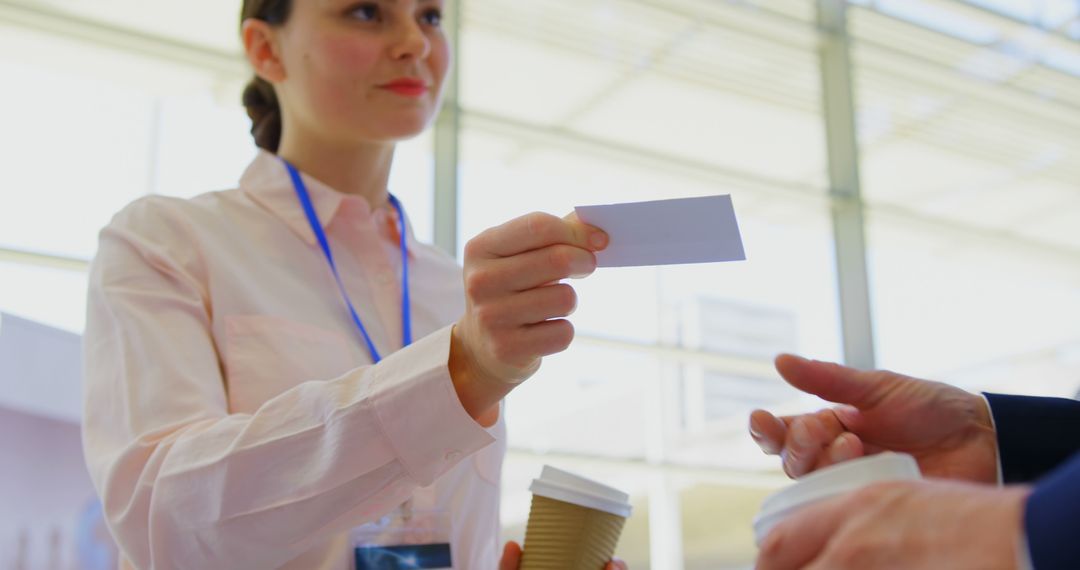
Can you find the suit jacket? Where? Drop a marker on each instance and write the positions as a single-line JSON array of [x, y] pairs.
[[1039, 442]]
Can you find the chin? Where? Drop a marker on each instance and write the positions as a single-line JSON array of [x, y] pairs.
[[400, 130]]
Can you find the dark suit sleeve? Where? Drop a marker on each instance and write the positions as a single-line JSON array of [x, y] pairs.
[[1050, 519], [1035, 435]]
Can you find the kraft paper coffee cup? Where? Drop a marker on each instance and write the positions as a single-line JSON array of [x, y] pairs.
[[830, 482], [574, 524]]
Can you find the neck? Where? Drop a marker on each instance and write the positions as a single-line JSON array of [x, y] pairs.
[[361, 170]]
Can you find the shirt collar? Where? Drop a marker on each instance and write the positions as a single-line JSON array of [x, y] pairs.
[[267, 182]]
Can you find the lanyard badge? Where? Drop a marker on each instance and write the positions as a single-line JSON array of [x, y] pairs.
[[316, 227], [396, 543]]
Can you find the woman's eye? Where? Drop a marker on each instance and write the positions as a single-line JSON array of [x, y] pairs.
[[368, 12], [432, 17]]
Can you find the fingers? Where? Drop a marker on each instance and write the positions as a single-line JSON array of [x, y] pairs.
[[616, 564], [511, 557], [830, 381], [806, 441], [799, 539], [512, 274], [529, 307], [521, 348], [768, 431], [846, 447], [535, 231], [531, 269], [550, 337]]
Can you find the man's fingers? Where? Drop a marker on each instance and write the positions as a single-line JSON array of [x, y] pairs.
[[846, 447], [768, 431], [535, 231], [811, 441], [799, 539], [806, 441], [829, 381], [511, 557]]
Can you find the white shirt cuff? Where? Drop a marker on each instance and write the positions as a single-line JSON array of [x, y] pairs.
[[419, 410], [1023, 554], [993, 423]]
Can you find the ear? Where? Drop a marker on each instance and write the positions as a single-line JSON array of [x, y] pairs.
[[260, 46]]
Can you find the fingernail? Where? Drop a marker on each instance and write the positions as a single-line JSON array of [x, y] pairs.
[[598, 240], [582, 268]]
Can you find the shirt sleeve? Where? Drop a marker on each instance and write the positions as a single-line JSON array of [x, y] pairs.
[[185, 483]]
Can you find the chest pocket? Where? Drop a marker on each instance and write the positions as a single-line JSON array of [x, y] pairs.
[[265, 356]]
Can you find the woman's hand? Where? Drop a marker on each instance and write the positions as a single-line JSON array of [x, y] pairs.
[[511, 559], [948, 430], [515, 304]]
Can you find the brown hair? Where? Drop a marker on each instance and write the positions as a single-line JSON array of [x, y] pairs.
[[260, 99]]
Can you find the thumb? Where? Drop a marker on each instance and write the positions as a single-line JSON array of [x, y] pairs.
[[511, 557], [829, 381], [598, 238]]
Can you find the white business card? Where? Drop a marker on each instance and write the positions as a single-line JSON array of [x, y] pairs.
[[667, 232]]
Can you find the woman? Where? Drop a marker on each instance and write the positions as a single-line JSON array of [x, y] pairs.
[[254, 394]]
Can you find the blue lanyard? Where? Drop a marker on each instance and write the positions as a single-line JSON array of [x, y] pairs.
[[313, 220]]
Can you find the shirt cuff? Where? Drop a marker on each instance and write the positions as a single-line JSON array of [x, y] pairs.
[[419, 411], [1023, 554], [1000, 472]]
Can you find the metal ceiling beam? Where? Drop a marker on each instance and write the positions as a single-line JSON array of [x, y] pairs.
[[447, 142], [53, 21], [1008, 18], [34, 259], [849, 225]]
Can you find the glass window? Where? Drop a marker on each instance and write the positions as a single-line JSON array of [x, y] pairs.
[[970, 159], [571, 103], [412, 180], [202, 142], [83, 153], [53, 296]]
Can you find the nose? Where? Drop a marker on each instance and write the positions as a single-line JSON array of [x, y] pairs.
[[410, 43]]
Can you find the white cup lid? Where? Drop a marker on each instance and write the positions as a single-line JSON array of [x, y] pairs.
[[832, 481], [564, 486]]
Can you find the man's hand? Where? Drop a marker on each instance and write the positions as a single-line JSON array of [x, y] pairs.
[[909, 526], [515, 305], [511, 559], [948, 430]]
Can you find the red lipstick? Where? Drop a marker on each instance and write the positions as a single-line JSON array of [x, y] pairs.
[[406, 87]]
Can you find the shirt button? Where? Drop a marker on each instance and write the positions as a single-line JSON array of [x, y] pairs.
[[453, 456]]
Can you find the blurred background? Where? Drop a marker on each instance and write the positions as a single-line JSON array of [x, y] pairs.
[[906, 173]]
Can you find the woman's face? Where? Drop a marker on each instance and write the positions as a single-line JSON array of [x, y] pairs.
[[362, 71]]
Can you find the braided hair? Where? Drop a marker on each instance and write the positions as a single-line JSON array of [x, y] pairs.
[[260, 98]]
